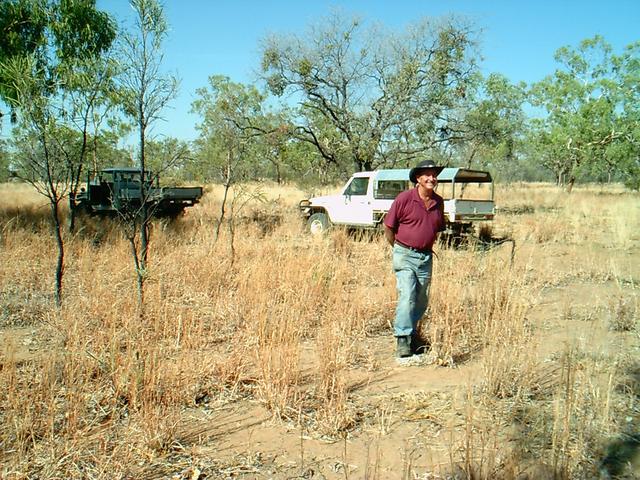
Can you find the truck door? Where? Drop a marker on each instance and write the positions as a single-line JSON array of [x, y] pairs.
[[357, 209]]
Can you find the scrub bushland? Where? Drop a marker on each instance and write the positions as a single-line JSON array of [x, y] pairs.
[[295, 324]]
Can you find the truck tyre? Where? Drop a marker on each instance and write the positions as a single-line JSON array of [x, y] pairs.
[[318, 223]]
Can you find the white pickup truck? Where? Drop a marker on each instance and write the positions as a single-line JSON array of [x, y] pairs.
[[367, 197]]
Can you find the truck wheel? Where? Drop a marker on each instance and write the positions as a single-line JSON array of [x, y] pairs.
[[318, 223]]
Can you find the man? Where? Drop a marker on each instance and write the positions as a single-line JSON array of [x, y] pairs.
[[411, 227]]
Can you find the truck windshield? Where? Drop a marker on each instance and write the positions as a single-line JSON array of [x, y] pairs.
[[358, 186], [128, 177]]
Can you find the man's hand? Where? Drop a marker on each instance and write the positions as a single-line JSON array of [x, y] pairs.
[[390, 235]]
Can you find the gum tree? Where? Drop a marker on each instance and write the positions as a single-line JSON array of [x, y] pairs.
[[45, 47], [368, 98], [490, 133], [231, 124], [40, 159], [589, 106], [67, 43], [145, 90]]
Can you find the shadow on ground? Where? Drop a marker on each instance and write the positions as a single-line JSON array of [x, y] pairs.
[[622, 451]]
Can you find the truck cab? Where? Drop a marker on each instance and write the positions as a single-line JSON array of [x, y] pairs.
[[117, 190], [367, 197], [112, 188]]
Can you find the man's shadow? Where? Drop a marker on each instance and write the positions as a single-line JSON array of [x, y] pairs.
[[623, 450]]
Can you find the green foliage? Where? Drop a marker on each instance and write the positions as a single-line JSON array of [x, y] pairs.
[[57, 34], [232, 121], [23, 26], [368, 100], [81, 31], [491, 133], [356, 98], [5, 174], [56, 76], [169, 159], [590, 111], [241, 138]]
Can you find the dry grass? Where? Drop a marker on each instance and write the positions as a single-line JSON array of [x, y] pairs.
[[290, 323]]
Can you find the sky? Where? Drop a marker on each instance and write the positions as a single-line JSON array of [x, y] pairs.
[[518, 38]]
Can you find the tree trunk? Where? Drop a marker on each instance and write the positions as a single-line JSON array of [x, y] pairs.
[[76, 173], [139, 271], [143, 217], [95, 154], [60, 244], [362, 165], [570, 183], [231, 239], [227, 186], [72, 212], [471, 157], [144, 235], [144, 227]]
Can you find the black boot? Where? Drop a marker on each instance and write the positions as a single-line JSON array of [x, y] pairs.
[[404, 347]]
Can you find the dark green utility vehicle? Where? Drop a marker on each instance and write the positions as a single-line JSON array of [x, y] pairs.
[[117, 189]]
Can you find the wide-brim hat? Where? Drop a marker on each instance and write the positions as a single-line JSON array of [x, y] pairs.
[[424, 165]]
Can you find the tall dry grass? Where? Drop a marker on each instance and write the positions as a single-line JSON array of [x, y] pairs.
[[285, 322]]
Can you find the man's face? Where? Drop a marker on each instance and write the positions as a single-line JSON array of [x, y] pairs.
[[427, 179]]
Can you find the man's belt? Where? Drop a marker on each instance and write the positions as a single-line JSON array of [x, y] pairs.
[[413, 249]]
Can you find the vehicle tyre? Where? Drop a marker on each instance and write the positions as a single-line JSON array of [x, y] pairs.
[[83, 208], [318, 223]]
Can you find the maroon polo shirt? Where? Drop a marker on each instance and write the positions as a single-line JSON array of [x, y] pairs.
[[414, 224]]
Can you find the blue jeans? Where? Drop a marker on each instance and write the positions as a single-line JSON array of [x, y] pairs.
[[413, 276]]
